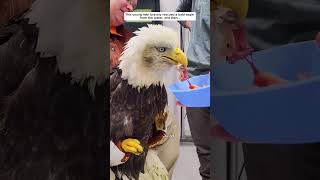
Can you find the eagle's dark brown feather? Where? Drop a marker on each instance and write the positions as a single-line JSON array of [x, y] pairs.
[[12, 8], [17, 55], [133, 113]]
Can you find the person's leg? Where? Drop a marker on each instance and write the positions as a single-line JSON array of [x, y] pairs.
[[200, 124], [281, 161]]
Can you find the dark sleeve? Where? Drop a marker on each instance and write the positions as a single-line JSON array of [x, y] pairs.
[[21, 121], [16, 56], [184, 6], [273, 23]]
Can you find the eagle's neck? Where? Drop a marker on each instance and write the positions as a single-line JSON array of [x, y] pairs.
[[140, 76], [74, 32]]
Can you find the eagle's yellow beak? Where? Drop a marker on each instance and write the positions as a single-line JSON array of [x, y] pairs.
[[240, 7], [176, 56]]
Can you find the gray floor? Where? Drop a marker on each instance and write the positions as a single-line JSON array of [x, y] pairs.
[[188, 163]]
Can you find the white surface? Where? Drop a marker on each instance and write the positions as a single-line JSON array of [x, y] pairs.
[[170, 6], [187, 167], [115, 155], [159, 16]]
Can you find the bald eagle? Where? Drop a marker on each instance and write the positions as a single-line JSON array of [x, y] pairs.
[[53, 87], [137, 87]]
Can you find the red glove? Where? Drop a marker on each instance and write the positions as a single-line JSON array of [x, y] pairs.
[[242, 47], [183, 73]]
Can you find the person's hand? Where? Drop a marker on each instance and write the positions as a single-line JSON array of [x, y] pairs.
[[187, 24], [178, 103], [131, 146], [183, 73]]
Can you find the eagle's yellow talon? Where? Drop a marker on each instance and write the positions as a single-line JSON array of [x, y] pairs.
[[132, 146], [136, 141]]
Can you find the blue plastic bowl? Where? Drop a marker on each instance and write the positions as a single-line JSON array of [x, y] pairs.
[[199, 97], [280, 114]]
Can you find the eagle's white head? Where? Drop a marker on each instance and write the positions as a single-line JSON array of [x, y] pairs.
[[76, 33], [150, 55]]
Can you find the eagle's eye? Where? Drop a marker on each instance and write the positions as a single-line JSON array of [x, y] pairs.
[[162, 49]]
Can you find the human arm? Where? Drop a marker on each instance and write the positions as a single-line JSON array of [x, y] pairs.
[[185, 6]]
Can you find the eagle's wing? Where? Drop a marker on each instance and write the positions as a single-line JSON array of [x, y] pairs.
[[126, 120], [123, 111], [17, 55], [132, 114], [52, 129], [115, 80], [132, 109]]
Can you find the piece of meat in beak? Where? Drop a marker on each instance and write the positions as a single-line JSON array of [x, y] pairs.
[[232, 43]]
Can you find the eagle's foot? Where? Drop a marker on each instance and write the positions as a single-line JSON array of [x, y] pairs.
[[131, 146]]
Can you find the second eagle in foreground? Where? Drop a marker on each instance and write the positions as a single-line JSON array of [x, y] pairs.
[[138, 93]]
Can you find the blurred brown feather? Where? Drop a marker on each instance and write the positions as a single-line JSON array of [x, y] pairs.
[[12, 8]]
